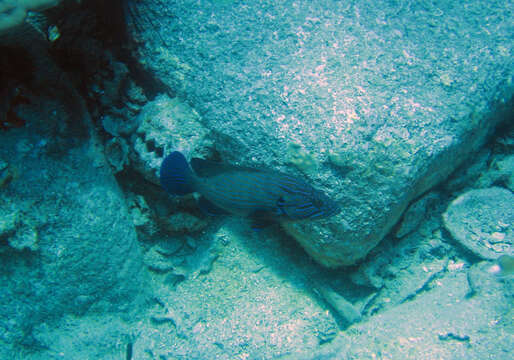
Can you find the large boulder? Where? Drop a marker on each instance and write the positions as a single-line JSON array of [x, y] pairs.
[[375, 103], [67, 242], [71, 245]]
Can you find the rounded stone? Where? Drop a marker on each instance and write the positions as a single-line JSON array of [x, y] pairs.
[[482, 221]]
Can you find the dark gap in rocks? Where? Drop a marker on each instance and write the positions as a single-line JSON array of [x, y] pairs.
[[16, 76], [159, 151], [150, 145], [460, 251], [502, 139], [93, 41], [500, 142]]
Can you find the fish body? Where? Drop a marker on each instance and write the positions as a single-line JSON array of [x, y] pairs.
[[247, 192]]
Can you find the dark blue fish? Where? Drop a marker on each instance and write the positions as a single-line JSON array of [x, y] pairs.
[[264, 196]]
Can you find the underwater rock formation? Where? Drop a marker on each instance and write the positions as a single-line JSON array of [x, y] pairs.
[[482, 221], [387, 105], [165, 125], [67, 242], [13, 13], [445, 323]]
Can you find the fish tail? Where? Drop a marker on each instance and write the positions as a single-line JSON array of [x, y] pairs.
[[176, 176]]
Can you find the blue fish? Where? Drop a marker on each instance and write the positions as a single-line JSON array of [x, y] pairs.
[[264, 196]]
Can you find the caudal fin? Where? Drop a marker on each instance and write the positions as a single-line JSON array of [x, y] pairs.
[[176, 176]]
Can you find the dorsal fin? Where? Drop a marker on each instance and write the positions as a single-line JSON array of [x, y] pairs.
[[206, 168]]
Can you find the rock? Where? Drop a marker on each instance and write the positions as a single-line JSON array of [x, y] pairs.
[[371, 274], [26, 237], [481, 221], [85, 240], [506, 171], [166, 125], [415, 214], [183, 222], [9, 218], [403, 269], [326, 331], [482, 282], [156, 261], [501, 172], [5, 173], [444, 323], [399, 274], [119, 124], [72, 244], [169, 247], [467, 175], [116, 152], [135, 94], [97, 336], [345, 310], [142, 215], [175, 277], [17, 228], [363, 93]]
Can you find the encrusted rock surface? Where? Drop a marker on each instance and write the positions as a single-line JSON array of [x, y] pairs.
[[67, 242], [383, 101], [444, 323], [165, 125], [482, 221]]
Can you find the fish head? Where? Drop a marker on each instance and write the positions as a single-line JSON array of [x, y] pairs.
[[309, 203]]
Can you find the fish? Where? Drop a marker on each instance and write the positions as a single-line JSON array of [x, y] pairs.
[[262, 195]]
